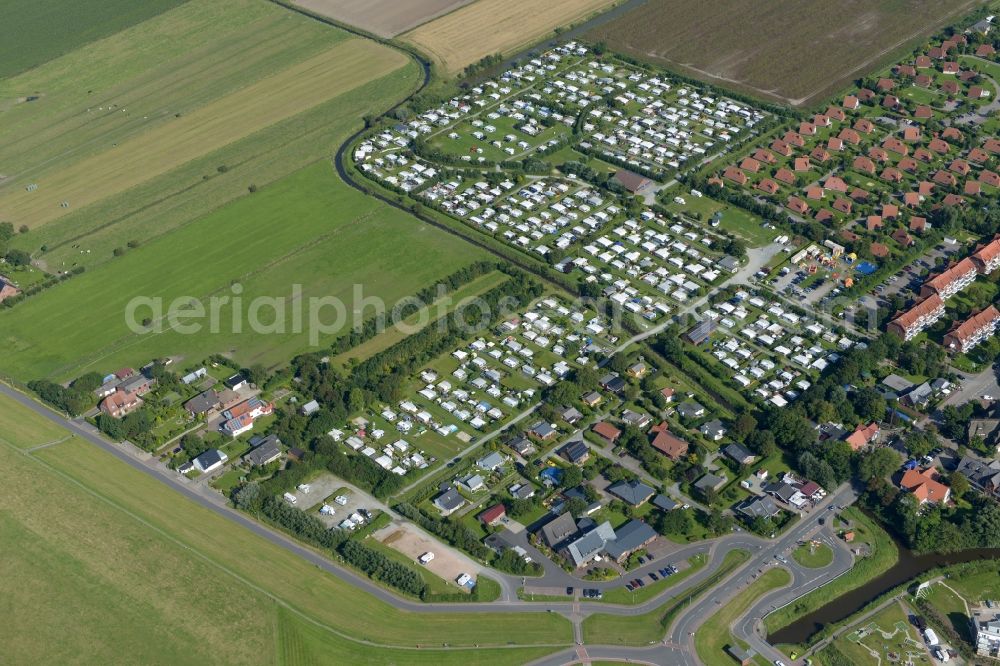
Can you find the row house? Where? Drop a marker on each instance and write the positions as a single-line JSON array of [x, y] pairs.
[[925, 313], [972, 331], [987, 258], [951, 281]]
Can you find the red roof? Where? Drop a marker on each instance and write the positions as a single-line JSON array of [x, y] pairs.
[[668, 444], [493, 514]]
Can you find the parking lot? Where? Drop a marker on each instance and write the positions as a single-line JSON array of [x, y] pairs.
[[322, 490], [410, 541]]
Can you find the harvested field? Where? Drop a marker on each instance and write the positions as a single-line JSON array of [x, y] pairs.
[[248, 110], [796, 52], [496, 26], [385, 18]]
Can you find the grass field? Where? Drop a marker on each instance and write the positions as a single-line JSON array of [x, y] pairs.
[[886, 638], [118, 563], [170, 79], [792, 51], [32, 33], [486, 27], [308, 229], [385, 18], [713, 636]]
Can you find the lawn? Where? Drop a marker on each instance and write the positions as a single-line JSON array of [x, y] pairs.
[[783, 50], [20, 428], [734, 220], [813, 556], [307, 236], [32, 33], [713, 636], [602, 628], [70, 510]]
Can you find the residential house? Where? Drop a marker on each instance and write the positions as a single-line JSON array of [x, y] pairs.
[[490, 462], [740, 454], [607, 432], [984, 475], [265, 451], [713, 430], [576, 452], [925, 485], [210, 460], [690, 410], [863, 435], [7, 289], [667, 443], [557, 530], [632, 492], [493, 515], [952, 280], [629, 538], [613, 383], [758, 507], [449, 502], [925, 313], [120, 403], [584, 549], [709, 482]]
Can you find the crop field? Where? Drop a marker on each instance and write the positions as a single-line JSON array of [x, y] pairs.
[[487, 27], [192, 60], [32, 33], [116, 563], [308, 229], [385, 18], [792, 51], [150, 153]]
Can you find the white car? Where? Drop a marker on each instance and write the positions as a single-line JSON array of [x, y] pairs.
[[679, 201], [340, 499], [426, 557]]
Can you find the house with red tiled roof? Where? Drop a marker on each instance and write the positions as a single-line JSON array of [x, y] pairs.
[[950, 68], [964, 336], [952, 134], [793, 139], [823, 215], [968, 75], [848, 135], [925, 486], [878, 154], [925, 313], [925, 188], [923, 80], [890, 211], [851, 102], [923, 112], [874, 222], [890, 102], [922, 62], [836, 113], [859, 195], [493, 515], [918, 224], [764, 155], [885, 85], [942, 177], [892, 175], [735, 175], [953, 200], [985, 50], [819, 154], [769, 186], [7, 289], [781, 148], [814, 192], [866, 95], [750, 164], [785, 176], [667, 443], [606, 431], [972, 187], [960, 167], [863, 435], [938, 146], [797, 205], [949, 87], [992, 146], [821, 120], [952, 280], [843, 205], [902, 238], [978, 92], [849, 236], [835, 143], [912, 199], [907, 164], [120, 404], [835, 184], [923, 154], [801, 164], [937, 52], [864, 126], [911, 133], [807, 128], [879, 250], [988, 177], [864, 164], [978, 155], [906, 70]]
